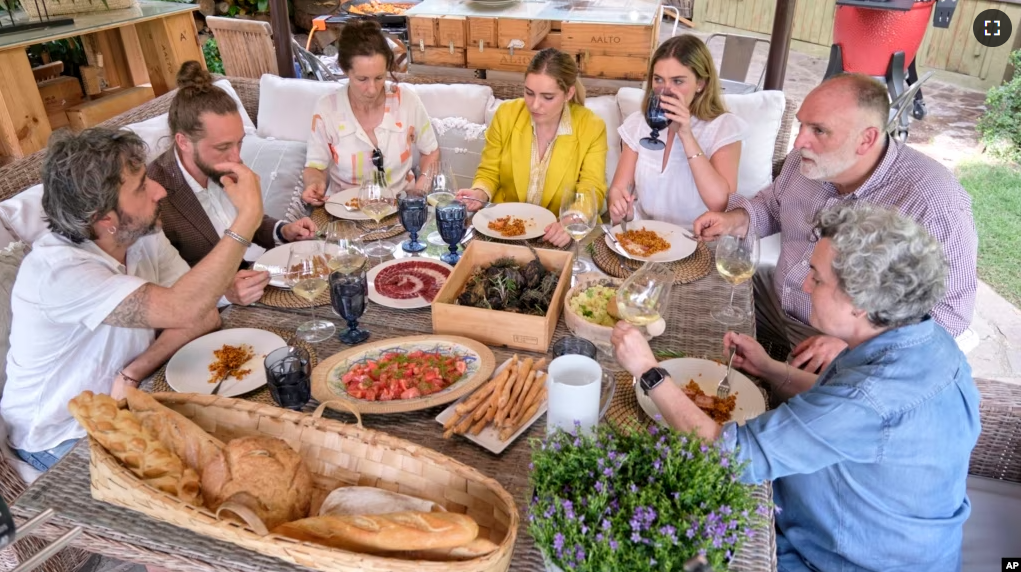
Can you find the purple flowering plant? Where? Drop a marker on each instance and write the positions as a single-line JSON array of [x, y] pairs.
[[637, 500]]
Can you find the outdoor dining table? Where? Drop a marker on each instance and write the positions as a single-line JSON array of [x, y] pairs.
[[129, 535]]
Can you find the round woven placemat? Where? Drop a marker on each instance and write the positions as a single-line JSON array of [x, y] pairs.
[[284, 298], [323, 218], [690, 269], [624, 411], [261, 395], [534, 242]]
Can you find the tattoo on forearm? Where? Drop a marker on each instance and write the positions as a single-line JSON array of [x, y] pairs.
[[133, 311]]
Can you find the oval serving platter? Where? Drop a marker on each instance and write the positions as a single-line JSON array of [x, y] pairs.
[[327, 385]]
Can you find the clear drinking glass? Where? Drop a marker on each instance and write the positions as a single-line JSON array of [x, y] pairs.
[[440, 188], [736, 259], [642, 300], [345, 251], [307, 274], [377, 201], [578, 215]]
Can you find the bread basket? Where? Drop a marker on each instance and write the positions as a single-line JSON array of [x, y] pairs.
[[337, 454]]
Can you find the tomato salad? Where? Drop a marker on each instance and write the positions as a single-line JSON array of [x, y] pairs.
[[403, 375]]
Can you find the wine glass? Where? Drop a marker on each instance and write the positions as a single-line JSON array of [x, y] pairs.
[[348, 295], [578, 213], [642, 300], [307, 274], [441, 186], [655, 116], [377, 201], [736, 259], [345, 251], [413, 212], [450, 221]]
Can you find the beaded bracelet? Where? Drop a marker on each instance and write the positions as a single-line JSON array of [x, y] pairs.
[[699, 154]]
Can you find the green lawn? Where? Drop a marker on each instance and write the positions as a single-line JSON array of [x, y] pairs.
[[995, 189]]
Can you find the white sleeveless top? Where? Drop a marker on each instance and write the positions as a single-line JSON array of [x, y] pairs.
[[670, 194]]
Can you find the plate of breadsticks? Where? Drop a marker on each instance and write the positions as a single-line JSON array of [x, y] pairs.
[[500, 410]]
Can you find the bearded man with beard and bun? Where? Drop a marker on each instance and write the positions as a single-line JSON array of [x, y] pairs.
[[206, 126], [843, 154], [92, 294]]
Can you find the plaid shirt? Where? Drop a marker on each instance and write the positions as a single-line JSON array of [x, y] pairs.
[[917, 185]]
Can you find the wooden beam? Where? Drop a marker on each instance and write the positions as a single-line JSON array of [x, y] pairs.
[[134, 57], [779, 44], [281, 23], [24, 127], [92, 113], [167, 43]]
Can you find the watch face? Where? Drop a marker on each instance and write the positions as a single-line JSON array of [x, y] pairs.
[[652, 378]]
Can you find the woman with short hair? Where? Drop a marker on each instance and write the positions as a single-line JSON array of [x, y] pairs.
[[869, 459]]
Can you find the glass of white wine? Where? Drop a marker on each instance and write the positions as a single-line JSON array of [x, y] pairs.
[[441, 187], [578, 214], [642, 300], [736, 259], [345, 251], [377, 201], [308, 275]]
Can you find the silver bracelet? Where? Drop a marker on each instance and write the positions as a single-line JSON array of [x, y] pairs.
[[231, 234], [788, 380]]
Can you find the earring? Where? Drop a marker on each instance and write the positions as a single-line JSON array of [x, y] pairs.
[[112, 230]]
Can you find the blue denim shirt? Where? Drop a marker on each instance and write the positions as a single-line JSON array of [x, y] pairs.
[[869, 466]]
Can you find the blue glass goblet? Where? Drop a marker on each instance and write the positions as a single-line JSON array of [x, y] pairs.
[[450, 221], [349, 296], [413, 212]]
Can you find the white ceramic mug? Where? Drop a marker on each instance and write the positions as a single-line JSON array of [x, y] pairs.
[[574, 384]]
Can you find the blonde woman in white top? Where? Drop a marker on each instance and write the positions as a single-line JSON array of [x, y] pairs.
[[369, 125], [697, 171]]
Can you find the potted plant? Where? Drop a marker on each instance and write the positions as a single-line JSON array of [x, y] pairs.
[[637, 500]]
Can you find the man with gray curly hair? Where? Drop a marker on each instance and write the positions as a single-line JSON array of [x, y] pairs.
[[90, 297], [869, 460]]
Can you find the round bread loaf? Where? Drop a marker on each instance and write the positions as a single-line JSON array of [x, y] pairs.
[[263, 474]]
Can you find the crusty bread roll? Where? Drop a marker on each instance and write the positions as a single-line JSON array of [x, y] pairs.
[[382, 533], [181, 435], [474, 549], [263, 474], [371, 500], [120, 433]]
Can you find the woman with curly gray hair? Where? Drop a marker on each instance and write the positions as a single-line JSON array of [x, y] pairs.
[[869, 459]]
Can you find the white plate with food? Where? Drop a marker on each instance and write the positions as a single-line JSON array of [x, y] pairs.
[[407, 283], [345, 205], [275, 261], [189, 370], [513, 221], [652, 240], [706, 374]]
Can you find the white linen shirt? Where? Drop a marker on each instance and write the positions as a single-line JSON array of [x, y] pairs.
[[59, 344], [338, 143], [670, 194]]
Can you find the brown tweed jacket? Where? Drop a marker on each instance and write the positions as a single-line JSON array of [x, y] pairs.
[[184, 222]]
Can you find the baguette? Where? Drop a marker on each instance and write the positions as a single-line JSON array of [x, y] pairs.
[[474, 549], [178, 433], [371, 500], [383, 533], [119, 432]]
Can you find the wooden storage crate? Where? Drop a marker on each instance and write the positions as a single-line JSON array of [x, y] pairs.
[[500, 59], [493, 327], [438, 41], [577, 38], [609, 66]]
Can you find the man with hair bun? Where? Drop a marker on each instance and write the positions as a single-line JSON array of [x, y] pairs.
[[207, 129]]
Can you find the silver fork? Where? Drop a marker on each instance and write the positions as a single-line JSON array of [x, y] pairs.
[[624, 221], [609, 232], [723, 391]]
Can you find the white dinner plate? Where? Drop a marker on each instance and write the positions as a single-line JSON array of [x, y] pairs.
[[489, 438], [335, 205], [188, 371], [681, 246], [275, 260], [405, 303], [536, 219], [707, 374]]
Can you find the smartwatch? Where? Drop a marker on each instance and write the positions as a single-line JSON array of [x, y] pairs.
[[652, 378]]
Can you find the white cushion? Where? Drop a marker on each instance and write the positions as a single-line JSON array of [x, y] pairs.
[[762, 110], [441, 101], [23, 215], [605, 106], [279, 164], [155, 131], [461, 143], [491, 109], [286, 106], [6, 237]]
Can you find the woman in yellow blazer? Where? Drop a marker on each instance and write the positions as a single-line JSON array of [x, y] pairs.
[[544, 143]]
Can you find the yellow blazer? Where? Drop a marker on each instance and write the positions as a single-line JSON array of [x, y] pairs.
[[507, 156]]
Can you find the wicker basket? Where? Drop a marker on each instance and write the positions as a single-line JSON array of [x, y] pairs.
[[337, 454], [40, 9]]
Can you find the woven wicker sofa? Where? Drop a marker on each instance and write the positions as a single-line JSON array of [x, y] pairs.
[[997, 455]]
